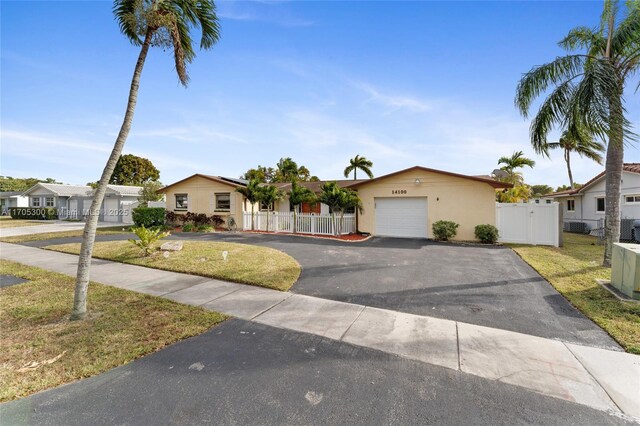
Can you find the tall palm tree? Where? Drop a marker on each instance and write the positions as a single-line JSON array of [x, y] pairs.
[[251, 193], [167, 24], [299, 194], [511, 164], [356, 163], [582, 144], [588, 88], [286, 170]]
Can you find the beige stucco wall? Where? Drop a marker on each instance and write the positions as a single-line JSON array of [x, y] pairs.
[[464, 201], [200, 192]]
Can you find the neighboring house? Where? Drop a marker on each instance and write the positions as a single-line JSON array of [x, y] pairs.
[[74, 201], [12, 199], [587, 203], [401, 204]]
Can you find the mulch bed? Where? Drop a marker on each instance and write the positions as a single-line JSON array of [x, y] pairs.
[[348, 237]]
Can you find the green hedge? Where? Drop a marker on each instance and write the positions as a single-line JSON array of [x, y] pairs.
[[148, 216], [40, 213], [487, 234]]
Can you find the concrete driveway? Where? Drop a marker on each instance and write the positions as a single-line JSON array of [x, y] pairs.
[[483, 285], [247, 373]]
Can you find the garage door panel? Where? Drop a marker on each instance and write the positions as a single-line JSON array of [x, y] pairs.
[[401, 217], [111, 209]]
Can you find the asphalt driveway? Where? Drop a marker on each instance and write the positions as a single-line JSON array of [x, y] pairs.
[[247, 373], [484, 285]]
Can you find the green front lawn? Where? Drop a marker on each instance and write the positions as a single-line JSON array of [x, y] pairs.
[[260, 266], [572, 270], [8, 222], [42, 349], [64, 234]]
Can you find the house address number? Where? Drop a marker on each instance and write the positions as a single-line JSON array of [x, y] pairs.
[[398, 191]]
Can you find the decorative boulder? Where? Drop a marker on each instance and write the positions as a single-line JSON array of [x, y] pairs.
[[171, 246]]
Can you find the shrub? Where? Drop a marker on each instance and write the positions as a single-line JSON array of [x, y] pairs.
[[443, 230], [39, 213], [487, 234], [216, 221], [148, 216], [171, 217], [204, 228], [187, 227], [196, 218], [148, 237]]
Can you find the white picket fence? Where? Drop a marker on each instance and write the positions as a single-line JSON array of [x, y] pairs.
[[529, 223], [306, 223]]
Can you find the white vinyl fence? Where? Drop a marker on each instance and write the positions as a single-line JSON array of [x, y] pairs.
[[529, 223], [306, 223]]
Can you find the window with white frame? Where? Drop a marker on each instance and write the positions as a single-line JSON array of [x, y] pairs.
[[571, 205], [35, 202], [600, 205], [632, 199], [182, 202], [223, 201], [48, 202]]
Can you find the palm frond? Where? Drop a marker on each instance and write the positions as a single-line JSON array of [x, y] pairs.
[[540, 78], [552, 112], [583, 38], [127, 14]]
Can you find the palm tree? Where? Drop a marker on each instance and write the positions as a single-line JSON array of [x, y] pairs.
[[163, 23], [338, 199], [582, 144], [511, 164], [298, 195], [588, 89], [356, 163], [251, 193], [286, 170], [269, 194]]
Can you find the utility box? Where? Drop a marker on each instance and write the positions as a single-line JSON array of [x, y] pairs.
[[625, 269]]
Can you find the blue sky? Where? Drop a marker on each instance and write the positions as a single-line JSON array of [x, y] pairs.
[[402, 83]]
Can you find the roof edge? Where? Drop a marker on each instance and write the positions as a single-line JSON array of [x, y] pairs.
[[211, 178], [494, 183]]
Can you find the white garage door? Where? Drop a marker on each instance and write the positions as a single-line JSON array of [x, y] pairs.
[[401, 217], [111, 210]]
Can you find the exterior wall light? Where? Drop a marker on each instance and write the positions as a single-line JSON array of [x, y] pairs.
[[417, 181]]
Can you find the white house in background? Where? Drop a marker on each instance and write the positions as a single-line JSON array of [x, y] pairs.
[[12, 199], [74, 201], [587, 204]]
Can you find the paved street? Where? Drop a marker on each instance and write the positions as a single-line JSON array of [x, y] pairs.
[[246, 373], [562, 370]]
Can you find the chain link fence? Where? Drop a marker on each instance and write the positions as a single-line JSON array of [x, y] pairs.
[[595, 228]]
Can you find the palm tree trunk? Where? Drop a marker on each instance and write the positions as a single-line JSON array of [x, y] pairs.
[[613, 177], [252, 219], [89, 235], [567, 159], [355, 174]]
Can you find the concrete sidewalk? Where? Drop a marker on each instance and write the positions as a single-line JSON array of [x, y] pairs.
[[602, 379], [50, 226]]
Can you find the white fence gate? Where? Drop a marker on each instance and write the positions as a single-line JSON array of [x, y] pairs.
[[529, 223], [306, 223]]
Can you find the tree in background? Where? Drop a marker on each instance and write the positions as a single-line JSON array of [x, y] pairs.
[[580, 142], [567, 187], [133, 171], [167, 24], [8, 183], [511, 166], [299, 194], [588, 90], [261, 174], [252, 194], [150, 192], [356, 163], [540, 190]]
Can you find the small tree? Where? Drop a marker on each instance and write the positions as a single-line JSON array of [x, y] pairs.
[[338, 200], [147, 238], [511, 164], [251, 193], [298, 195], [150, 192], [269, 194]]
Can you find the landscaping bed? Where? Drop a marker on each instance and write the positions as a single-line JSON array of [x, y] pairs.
[[572, 270], [247, 264], [42, 349], [347, 237]]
